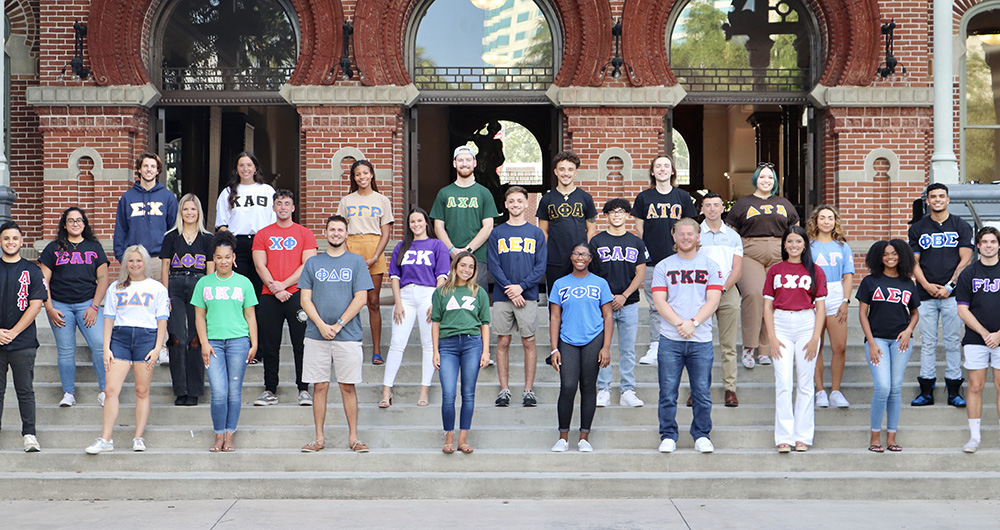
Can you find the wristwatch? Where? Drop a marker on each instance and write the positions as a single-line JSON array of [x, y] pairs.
[[469, 250], [696, 323], [341, 321]]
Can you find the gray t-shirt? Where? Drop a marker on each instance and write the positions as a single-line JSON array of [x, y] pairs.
[[686, 282], [333, 282]]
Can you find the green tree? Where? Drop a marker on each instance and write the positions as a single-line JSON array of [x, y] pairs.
[[704, 44]]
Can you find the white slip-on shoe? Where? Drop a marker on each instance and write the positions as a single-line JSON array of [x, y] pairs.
[[585, 446], [838, 400], [629, 399], [650, 357], [704, 445], [603, 398], [821, 400], [561, 446], [668, 445]]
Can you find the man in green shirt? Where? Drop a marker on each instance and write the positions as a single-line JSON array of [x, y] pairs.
[[463, 212]]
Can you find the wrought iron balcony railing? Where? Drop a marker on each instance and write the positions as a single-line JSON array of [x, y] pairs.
[[743, 79], [482, 78], [218, 79]]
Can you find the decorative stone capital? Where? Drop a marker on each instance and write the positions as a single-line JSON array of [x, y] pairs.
[[860, 96], [93, 96], [312, 95], [578, 96]]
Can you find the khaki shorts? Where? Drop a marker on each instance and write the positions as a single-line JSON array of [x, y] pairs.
[[508, 319], [365, 246], [347, 358]]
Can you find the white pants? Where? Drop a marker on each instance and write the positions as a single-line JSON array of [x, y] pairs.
[[794, 329], [416, 301]]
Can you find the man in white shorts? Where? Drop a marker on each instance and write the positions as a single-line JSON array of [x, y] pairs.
[[333, 333], [977, 293]]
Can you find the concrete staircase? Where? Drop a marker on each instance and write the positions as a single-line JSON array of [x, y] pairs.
[[512, 457]]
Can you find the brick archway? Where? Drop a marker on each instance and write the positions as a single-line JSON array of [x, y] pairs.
[[848, 33], [381, 26], [119, 31]]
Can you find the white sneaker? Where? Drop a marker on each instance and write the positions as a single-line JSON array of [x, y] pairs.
[[100, 446], [100, 398], [585, 446], [561, 446], [629, 399], [603, 398], [704, 445], [838, 400], [821, 399], [138, 444], [763, 360], [668, 446], [650, 357], [748, 358], [68, 400], [971, 446], [164, 356], [31, 444], [305, 400]]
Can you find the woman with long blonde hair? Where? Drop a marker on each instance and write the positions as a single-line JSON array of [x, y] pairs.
[[135, 329], [832, 253], [186, 257]]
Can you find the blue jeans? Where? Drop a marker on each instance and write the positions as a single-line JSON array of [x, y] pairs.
[[225, 378], [951, 325], [66, 343], [672, 357], [460, 352], [627, 320], [887, 379]]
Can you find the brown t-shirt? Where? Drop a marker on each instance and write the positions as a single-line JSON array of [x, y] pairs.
[[752, 216]]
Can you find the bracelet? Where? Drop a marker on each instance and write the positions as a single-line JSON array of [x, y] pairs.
[[94, 307], [554, 351], [451, 249]]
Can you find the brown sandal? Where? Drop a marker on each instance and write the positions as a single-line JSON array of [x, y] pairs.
[[801, 447], [784, 448], [385, 403], [313, 447], [217, 446], [359, 447], [227, 445], [448, 449], [466, 448]]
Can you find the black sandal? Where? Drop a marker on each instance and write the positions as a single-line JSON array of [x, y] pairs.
[[876, 448], [894, 448]]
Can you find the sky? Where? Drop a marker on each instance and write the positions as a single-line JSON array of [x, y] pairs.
[[452, 33]]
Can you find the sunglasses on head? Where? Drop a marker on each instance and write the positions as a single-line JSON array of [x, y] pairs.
[[766, 164]]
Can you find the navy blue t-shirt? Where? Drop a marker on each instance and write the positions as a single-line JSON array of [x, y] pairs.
[[620, 255], [516, 254]]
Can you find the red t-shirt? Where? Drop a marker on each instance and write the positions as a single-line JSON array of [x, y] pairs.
[[791, 287], [284, 248]]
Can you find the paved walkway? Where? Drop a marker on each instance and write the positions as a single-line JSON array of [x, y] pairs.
[[485, 514]]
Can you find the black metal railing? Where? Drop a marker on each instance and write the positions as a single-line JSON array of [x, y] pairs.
[[743, 79], [217, 79], [482, 78]]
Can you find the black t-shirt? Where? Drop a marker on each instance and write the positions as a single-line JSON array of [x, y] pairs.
[[567, 216], [978, 287], [20, 283], [937, 245], [619, 257], [184, 257], [74, 270], [889, 303], [658, 212]]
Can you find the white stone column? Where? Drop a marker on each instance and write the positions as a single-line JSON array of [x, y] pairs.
[[944, 163], [7, 195]]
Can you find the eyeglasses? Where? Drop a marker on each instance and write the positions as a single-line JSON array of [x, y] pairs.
[[766, 164], [581, 254], [74, 221], [617, 211]]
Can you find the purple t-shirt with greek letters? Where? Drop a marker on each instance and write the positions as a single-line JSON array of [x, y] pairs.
[[423, 263]]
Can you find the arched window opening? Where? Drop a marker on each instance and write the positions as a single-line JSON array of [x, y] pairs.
[[741, 46], [507, 153], [981, 116], [682, 160], [483, 45], [238, 45]]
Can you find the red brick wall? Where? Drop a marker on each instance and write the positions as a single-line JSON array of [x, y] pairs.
[[24, 137]]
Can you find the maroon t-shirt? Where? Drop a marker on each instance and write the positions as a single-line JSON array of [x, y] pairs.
[[791, 287]]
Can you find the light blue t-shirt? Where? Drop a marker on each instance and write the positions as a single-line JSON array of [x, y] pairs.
[[835, 258], [581, 300], [333, 282]]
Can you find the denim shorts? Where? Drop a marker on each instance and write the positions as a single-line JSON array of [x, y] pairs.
[[130, 343]]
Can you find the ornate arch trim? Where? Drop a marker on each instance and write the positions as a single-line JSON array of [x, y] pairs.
[[118, 40], [848, 40], [381, 26]]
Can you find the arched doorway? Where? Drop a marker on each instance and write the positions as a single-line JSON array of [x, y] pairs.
[[479, 63], [747, 67], [219, 66]]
